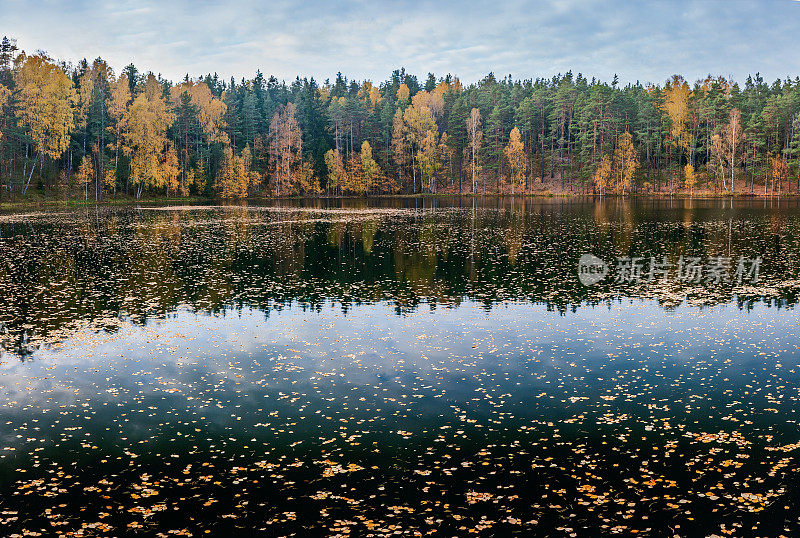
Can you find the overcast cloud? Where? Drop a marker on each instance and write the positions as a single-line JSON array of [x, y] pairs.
[[644, 40]]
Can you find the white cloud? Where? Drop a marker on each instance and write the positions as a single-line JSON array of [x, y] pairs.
[[637, 40]]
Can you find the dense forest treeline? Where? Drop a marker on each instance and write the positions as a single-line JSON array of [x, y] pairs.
[[83, 131]]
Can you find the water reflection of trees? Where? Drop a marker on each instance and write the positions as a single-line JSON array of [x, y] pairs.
[[59, 273]]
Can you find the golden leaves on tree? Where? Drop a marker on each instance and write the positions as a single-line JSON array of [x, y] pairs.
[[46, 103]]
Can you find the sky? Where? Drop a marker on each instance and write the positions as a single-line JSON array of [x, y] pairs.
[[637, 40]]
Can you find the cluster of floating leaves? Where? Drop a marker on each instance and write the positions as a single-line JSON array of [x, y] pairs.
[[205, 375]]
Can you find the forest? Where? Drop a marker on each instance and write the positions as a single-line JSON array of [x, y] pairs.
[[85, 132]]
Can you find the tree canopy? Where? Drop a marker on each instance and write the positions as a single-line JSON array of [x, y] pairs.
[[78, 129]]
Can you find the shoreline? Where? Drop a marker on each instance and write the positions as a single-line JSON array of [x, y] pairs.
[[120, 201]]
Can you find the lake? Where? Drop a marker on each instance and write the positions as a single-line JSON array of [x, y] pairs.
[[401, 367]]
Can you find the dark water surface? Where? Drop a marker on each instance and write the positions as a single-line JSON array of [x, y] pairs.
[[403, 367]]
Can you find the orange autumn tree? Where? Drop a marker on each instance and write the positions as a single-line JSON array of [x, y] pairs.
[[306, 181], [354, 178], [175, 181], [84, 175], [615, 172], [603, 175], [779, 171], [285, 149]]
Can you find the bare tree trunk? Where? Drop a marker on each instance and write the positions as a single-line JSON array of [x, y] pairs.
[[25, 190]]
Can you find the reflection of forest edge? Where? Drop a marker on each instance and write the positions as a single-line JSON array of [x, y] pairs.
[[62, 272]]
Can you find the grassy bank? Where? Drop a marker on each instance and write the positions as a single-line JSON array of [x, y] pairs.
[[40, 201]]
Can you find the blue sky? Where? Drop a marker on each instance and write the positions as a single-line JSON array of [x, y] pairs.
[[638, 40]]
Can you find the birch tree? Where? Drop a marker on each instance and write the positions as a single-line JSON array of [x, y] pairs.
[[475, 137], [47, 101]]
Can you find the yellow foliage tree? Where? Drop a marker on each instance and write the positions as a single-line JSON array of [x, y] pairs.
[[515, 155], [307, 182], [110, 180], [234, 175], [172, 173], [434, 101], [148, 122], [117, 106], [779, 170], [354, 180], [5, 98], [369, 94], [443, 87], [210, 109], [85, 175], [197, 178], [677, 96], [427, 159], [370, 171], [626, 162], [46, 106], [603, 175], [433, 154], [402, 93], [417, 121], [336, 171], [689, 178], [399, 145]]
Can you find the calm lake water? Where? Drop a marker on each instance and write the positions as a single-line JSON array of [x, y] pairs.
[[399, 367]]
